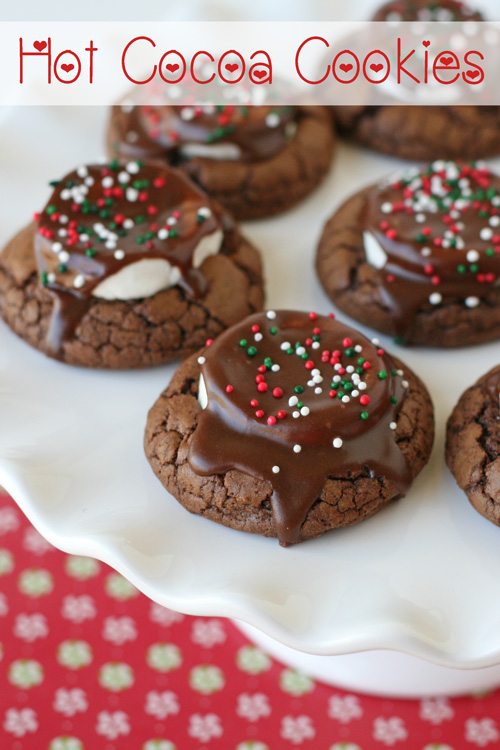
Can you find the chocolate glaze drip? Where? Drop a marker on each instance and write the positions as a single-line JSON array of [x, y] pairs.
[[427, 10], [440, 230], [101, 218], [333, 430], [258, 132]]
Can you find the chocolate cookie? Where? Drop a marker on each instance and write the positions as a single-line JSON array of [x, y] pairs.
[[290, 424], [424, 133], [128, 265], [418, 256], [256, 161], [473, 444]]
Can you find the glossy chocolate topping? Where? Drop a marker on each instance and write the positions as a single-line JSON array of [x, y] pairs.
[[102, 218], [434, 234], [427, 10], [227, 132], [295, 398]]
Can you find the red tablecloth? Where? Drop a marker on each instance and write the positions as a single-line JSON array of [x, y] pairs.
[[88, 663]]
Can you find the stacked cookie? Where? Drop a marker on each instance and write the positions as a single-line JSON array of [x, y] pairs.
[[281, 423]]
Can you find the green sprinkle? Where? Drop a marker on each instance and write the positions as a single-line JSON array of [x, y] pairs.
[[62, 268], [349, 352], [364, 415], [51, 209], [299, 389], [252, 351], [382, 375], [273, 330], [268, 362], [461, 268], [173, 232], [44, 278], [474, 268], [90, 252], [114, 164], [489, 252], [243, 342], [394, 400]]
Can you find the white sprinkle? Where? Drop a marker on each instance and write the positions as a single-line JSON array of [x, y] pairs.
[[63, 219], [82, 171], [318, 390], [304, 411], [205, 212], [119, 254], [89, 181], [472, 256], [494, 221], [275, 368], [56, 247], [300, 350], [393, 425], [63, 256], [273, 120], [285, 345], [349, 369], [132, 167], [405, 384], [79, 281], [276, 469], [163, 234], [362, 386], [315, 345], [486, 234], [65, 194], [62, 233], [201, 360], [107, 182], [297, 448], [293, 401], [345, 399], [132, 194], [472, 302], [84, 237], [296, 414], [128, 223], [187, 113], [426, 251], [110, 244], [354, 394], [258, 337], [358, 348], [386, 208], [270, 314], [435, 298], [51, 277], [337, 442], [123, 177], [376, 342]]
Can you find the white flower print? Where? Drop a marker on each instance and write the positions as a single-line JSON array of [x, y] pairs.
[[344, 708], [161, 705], [205, 727], [119, 630], [31, 627], [253, 707], [435, 710], [4, 605], [481, 731], [78, 608], [20, 721], [9, 520], [296, 729], [389, 731], [163, 615], [112, 724], [208, 633], [34, 542], [70, 701]]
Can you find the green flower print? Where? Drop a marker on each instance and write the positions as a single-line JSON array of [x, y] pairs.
[[6, 562], [25, 673], [252, 745], [35, 582], [295, 683], [74, 654], [66, 743], [206, 679], [159, 745], [164, 657], [119, 588], [81, 568], [116, 676], [253, 660]]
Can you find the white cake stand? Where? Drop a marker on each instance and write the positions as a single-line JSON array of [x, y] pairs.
[[420, 578]]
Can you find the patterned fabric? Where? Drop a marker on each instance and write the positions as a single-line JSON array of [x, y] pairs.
[[88, 663]]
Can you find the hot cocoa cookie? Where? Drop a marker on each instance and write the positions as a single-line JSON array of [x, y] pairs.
[[424, 133], [418, 255], [288, 425], [128, 265], [256, 161], [473, 444]]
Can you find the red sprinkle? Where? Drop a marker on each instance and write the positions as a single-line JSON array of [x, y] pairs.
[[229, 388], [262, 387], [271, 420], [364, 400], [277, 392]]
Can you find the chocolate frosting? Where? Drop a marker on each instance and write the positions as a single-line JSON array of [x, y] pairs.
[[296, 398], [101, 218], [258, 132], [440, 230], [427, 10]]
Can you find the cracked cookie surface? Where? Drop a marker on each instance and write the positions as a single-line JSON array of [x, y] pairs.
[[137, 333], [242, 501], [473, 444]]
